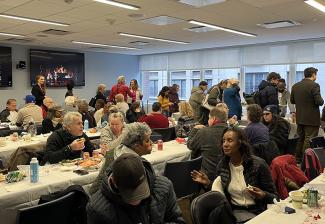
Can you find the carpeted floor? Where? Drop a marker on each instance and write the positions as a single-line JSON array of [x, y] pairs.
[[185, 206]]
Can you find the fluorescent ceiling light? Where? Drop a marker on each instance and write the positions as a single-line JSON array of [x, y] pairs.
[[11, 35], [103, 45], [316, 5], [118, 4], [33, 20], [200, 3], [221, 28], [152, 38]]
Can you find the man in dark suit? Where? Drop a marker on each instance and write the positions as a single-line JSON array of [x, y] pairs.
[[306, 95]]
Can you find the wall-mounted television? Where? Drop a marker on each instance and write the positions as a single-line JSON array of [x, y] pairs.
[[57, 67], [5, 67]]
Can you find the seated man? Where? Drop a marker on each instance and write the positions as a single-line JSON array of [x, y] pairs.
[[205, 141], [69, 142], [136, 140], [83, 110], [132, 193], [156, 119], [256, 131], [112, 134], [10, 113], [278, 127], [30, 112]]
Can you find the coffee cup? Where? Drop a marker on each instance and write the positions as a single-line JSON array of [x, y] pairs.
[[297, 199], [2, 141]]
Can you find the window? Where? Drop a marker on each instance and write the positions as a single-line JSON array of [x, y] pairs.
[[152, 82], [179, 78], [255, 74]]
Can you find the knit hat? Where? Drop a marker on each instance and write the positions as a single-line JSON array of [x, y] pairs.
[[271, 108]]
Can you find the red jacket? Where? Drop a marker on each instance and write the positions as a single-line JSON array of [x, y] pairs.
[[285, 166], [155, 120], [120, 89]]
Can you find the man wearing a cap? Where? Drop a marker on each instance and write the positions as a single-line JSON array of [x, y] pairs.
[[279, 128], [132, 194], [306, 95], [30, 112]]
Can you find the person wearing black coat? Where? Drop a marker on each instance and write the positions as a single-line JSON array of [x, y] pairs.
[[53, 120], [244, 179], [279, 128], [68, 142], [134, 113], [39, 90], [307, 98], [100, 93], [156, 199], [268, 90]]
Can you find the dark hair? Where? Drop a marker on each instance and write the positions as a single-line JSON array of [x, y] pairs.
[[282, 80], [101, 103], [10, 101], [245, 147], [254, 113], [70, 84], [136, 86], [308, 72], [156, 107], [134, 106], [273, 75], [203, 83], [174, 86], [163, 90], [51, 112]]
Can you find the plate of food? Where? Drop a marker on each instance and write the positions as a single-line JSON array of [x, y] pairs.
[[70, 162], [89, 164]]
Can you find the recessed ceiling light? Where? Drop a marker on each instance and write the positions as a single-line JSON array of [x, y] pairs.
[[11, 35], [153, 38], [316, 5], [33, 20], [162, 20], [200, 3], [118, 4], [221, 28], [103, 45], [279, 24]]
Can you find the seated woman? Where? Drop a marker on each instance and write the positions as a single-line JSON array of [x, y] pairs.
[[53, 120], [134, 113], [244, 179], [83, 110], [279, 127], [186, 120]]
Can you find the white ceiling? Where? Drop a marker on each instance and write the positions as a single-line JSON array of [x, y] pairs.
[[100, 23]]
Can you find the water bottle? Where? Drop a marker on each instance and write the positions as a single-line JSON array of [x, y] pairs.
[[86, 124], [31, 129], [34, 170]]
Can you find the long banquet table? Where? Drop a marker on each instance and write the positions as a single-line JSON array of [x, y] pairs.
[[302, 216], [11, 147], [25, 194]]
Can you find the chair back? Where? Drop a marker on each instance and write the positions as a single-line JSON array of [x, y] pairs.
[[180, 175], [318, 141], [167, 134], [210, 207], [292, 145], [53, 212]]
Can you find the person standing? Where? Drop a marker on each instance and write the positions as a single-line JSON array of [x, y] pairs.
[[164, 100], [174, 98], [307, 98], [39, 90], [136, 91], [284, 100], [197, 96], [268, 92], [121, 88]]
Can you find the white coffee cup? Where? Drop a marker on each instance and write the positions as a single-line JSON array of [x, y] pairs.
[[297, 198]]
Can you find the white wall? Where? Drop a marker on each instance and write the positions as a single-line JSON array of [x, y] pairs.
[[99, 68]]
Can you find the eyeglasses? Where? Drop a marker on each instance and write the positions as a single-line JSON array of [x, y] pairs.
[[265, 114]]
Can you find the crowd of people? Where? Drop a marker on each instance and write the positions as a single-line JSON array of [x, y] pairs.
[[127, 189]]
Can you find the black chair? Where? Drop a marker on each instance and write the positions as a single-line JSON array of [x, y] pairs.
[[39, 129], [211, 207], [167, 134], [292, 145], [316, 142], [180, 175], [320, 152], [53, 212], [154, 137]]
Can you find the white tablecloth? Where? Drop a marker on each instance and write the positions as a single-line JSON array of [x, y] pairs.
[[172, 152], [11, 147], [302, 216], [25, 194]]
